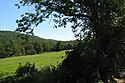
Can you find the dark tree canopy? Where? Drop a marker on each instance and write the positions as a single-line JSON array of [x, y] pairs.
[[89, 15], [99, 23]]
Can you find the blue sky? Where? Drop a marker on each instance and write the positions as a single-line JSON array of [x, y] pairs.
[[9, 14]]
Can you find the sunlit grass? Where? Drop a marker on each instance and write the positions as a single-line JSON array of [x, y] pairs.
[[9, 65]]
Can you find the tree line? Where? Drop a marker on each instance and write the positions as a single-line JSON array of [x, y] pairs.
[[16, 44]]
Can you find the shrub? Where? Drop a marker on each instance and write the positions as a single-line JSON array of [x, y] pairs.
[[28, 74], [26, 70]]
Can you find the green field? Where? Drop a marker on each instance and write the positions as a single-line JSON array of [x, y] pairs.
[[9, 65]]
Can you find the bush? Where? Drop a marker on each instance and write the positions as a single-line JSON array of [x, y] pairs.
[[24, 74], [26, 70], [28, 74]]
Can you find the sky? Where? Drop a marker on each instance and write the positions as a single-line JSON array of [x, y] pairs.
[[9, 14]]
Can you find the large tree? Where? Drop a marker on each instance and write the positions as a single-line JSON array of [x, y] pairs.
[[99, 23]]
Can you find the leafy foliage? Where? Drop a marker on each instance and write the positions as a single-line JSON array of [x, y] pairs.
[[99, 24], [23, 74], [12, 44], [26, 71], [28, 74]]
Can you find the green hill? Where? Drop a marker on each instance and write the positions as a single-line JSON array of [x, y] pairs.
[[16, 44]]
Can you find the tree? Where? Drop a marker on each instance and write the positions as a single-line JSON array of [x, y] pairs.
[[2, 51], [58, 46], [29, 48], [38, 47], [99, 23], [46, 46]]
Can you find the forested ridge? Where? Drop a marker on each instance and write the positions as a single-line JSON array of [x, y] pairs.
[[16, 44]]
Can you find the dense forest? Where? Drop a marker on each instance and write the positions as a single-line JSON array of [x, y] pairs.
[[16, 44]]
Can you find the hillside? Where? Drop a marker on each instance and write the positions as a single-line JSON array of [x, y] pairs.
[[16, 44]]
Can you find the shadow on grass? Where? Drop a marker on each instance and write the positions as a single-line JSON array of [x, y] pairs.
[[45, 75]]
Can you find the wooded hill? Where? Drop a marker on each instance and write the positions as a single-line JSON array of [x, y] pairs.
[[16, 44]]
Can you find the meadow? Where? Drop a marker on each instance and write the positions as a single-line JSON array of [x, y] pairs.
[[9, 65]]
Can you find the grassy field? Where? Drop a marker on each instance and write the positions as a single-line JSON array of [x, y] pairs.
[[9, 65]]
